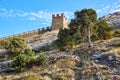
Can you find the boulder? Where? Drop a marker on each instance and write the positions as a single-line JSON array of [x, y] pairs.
[[96, 55]]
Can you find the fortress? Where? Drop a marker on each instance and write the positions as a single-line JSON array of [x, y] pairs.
[[59, 21]]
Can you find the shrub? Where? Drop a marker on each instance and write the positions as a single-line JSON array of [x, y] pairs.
[[37, 61], [94, 37], [40, 59], [15, 45], [108, 35], [104, 31], [25, 60], [59, 44], [117, 33], [32, 62], [20, 62], [29, 52]]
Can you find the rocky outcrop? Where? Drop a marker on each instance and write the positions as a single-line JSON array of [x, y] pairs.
[[113, 19], [42, 40]]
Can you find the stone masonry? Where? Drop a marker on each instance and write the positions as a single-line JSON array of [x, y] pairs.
[[59, 21]]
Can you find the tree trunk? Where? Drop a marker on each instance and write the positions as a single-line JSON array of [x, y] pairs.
[[89, 39]]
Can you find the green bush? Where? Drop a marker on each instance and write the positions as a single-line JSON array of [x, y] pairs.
[[15, 45], [108, 35], [104, 31], [40, 59], [94, 37], [23, 60], [117, 33], [32, 62], [20, 62], [29, 52], [59, 44], [26, 59]]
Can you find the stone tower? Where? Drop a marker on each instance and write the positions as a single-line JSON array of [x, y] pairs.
[[59, 21]]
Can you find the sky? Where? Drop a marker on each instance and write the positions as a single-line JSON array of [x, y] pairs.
[[17, 16]]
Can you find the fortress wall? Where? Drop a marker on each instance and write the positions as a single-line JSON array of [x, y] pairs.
[[58, 21], [28, 34]]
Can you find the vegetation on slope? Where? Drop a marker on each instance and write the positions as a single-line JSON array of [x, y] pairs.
[[83, 28], [51, 64]]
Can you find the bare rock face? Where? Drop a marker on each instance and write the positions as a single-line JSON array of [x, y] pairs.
[[42, 40], [113, 19]]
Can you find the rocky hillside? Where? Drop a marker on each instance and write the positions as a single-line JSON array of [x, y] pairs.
[[113, 19], [42, 40], [101, 62]]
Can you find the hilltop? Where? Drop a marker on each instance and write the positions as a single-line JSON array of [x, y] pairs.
[[87, 48], [113, 19]]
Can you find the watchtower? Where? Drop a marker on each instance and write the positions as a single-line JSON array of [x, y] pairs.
[[59, 21]]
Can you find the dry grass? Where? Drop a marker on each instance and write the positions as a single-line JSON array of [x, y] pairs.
[[31, 77], [61, 69], [115, 51], [63, 74], [65, 69]]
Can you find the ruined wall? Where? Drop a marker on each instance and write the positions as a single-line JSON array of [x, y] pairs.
[[59, 21], [28, 34]]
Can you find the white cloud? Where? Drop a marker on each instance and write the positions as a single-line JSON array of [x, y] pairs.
[[31, 18], [110, 8], [116, 10], [3, 12], [44, 17], [105, 9], [99, 10], [31, 15]]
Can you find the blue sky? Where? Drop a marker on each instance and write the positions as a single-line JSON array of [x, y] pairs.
[[17, 16]]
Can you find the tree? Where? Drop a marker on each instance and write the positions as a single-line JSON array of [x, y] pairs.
[[67, 39], [83, 27], [104, 31], [80, 29], [63, 38], [86, 19]]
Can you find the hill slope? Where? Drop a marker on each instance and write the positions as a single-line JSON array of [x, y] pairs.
[[113, 19], [102, 62]]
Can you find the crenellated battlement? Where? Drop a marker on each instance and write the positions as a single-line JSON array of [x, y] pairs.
[[58, 15], [28, 34], [59, 21]]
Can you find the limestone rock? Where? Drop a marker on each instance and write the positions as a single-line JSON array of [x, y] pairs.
[[113, 19]]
